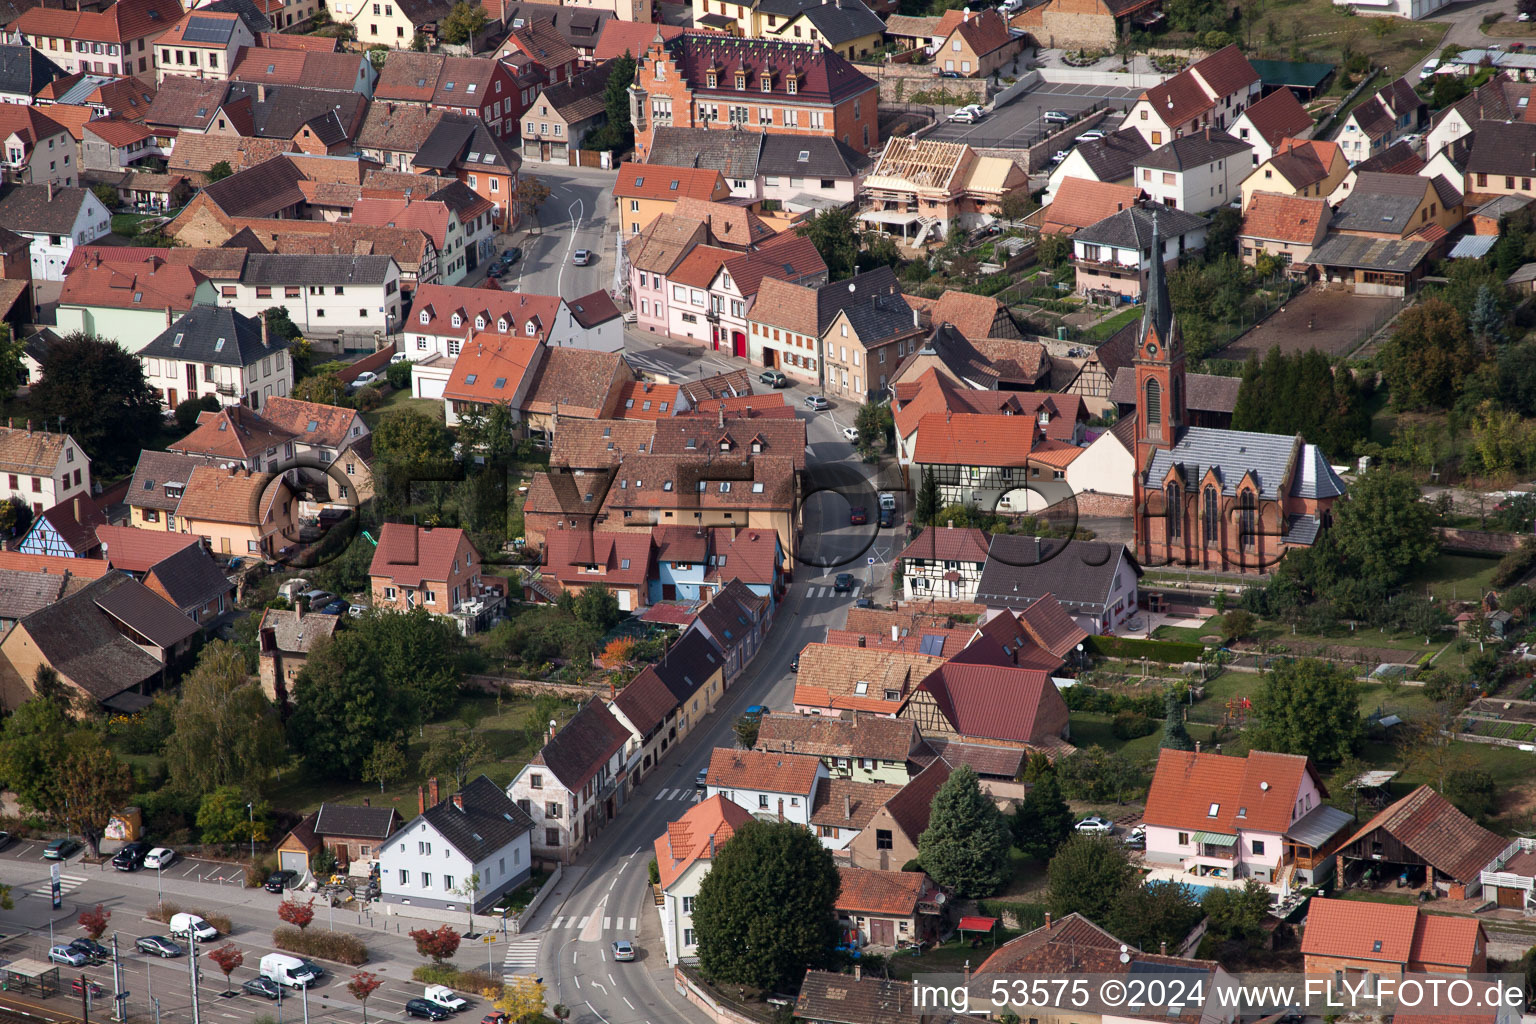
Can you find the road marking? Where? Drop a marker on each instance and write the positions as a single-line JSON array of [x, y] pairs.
[[663, 794], [632, 924], [556, 922], [627, 1002], [599, 1016], [522, 954], [577, 980], [599, 986], [612, 982], [570, 245], [584, 921], [603, 953], [612, 882], [607, 923], [190, 868]]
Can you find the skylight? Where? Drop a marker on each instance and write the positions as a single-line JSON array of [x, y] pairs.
[[313, 426], [271, 69], [218, 346], [138, 296], [471, 378], [488, 158], [177, 342], [448, 87], [1215, 810], [501, 382], [623, 563], [805, 155], [673, 186]]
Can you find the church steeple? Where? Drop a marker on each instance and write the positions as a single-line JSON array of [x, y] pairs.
[[1159, 360]]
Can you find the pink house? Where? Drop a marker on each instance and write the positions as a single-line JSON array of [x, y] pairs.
[[1260, 816]]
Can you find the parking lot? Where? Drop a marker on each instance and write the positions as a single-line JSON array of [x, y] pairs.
[[1018, 125]]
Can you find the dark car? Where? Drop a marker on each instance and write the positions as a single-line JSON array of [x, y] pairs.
[[843, 584], [495, 270], [702, 779], [422, 1008], [264, 987], [335, 608], [886, 519], [773, 378], [95, 950], [949, 74], [61, 849], [794, 663], [5, 840], [277, 881], [863, 602], [131, 856], [858, 516], [511, 256], [158, 945], [79, 986]]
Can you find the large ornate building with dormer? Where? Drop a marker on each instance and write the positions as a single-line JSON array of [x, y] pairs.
[[1220, 500]]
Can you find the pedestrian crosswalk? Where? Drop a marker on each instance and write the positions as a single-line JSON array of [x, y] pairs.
[[580, 921], [522, 954], [689, 794], [67, 884], [829, 591]]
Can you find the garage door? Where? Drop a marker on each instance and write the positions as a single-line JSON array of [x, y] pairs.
[[293, 860], [1511, 897]]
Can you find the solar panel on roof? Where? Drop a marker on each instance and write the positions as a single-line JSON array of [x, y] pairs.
[[207, 30]]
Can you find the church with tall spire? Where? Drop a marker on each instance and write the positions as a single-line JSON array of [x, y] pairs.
[[1205, 498]]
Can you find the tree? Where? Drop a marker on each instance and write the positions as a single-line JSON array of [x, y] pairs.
[[529, 195], [364, 984], [1017, 205], [463, 23], [48, 685], [1237, 915], [522, 999], [1147, 915], [1383, 528], [34, 741], [408, 437], [1096, 774], [108, 196], [344, 706], [99, 392], [1308, 707], [1346, 779], [94, 921], [453, 753], [874, 423], [835, 236], [1237, 623], [1427, 355], [1043, 821], [226, 731], [1052, 250], [1087, 875], [15, 519], [189, 409], [228, 958], [94, 785], [927, 498], [617, 132], [746, 730], [1221, 236], [385, 764], [291, 911], [599, 606], [219, 171], [1175, 735], [322, 389], [469, 891], [1303, 394], [965, 847], [12, 371], [438, 944], [767, 910], [225, 816]]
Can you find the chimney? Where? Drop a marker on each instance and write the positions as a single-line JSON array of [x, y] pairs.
[[1162, 948], [421, 801], [266, 341], [861, 635], [553, 728], [1197, 746], [432, 790], [858, 972], [1047, 920], [720, 416], [168, 318], [781, 808], [50, 191], [77, 508], [367, 801], [847, 807], [950, 523], [711, 846], [458, 801]]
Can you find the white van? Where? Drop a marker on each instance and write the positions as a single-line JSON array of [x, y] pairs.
[[182, 924], [288, 970]]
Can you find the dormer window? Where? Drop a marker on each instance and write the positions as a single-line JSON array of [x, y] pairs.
[[767, 81], [458, 321], [423, 316], [529, 329], [501, 325], [741, 79], [479, 323], [792, 84], [712, 80]]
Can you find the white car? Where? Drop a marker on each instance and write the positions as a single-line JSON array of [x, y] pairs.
[[1093, 825], [159, 857], [969, 114], [1092, 135], [445, 997], [1428, 69], [851, 434], [398, 357], [1055, 117], [364, 379], [1058, 156]]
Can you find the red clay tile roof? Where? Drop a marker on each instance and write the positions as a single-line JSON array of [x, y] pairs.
[[651, 181], [411, 555], [700, 266], [576, 382], [973, 439], [84, 568], [134, 550], [762, 770], [117, 132], [843, 803], [439, 302], [632, 37], [984, 32], [971, 315], [644, 400], [624, 558], [750, 554], [1278, 116], [700, 436], [910, 808], [1181, 98], [1431, 826], [1075, 944], [590, 444], [580, 749], [825, 75], [493, 368], [770, 406], [151, 285], [995, 702], [698, 834], [967, 544], [29, 123], [124, 20], [234, 432], [1051, 627], [787, 256], [311, 422], [891, 893], [1257, 793], [220, 495], [868, 736], [1390, 933], [1272, 215]]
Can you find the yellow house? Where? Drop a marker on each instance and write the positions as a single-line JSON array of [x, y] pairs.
[[737, 19], [848, 26], [238, 512], [646, 191], [393, 24], [1300, 167]]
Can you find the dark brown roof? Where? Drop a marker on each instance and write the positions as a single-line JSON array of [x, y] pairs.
[[1431, 826], [357, 822], [592, 444], [646, 701], [844, 803], [574, 382], [843, 999], [576, 753], [160, 478], [1503, 147], [910, 808], [191, 578]]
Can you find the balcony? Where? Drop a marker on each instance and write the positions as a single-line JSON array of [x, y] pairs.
[[1106, 261], [228, 390]]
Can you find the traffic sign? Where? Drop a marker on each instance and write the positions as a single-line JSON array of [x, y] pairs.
[[871, 559], [57, 885], [488, 939]]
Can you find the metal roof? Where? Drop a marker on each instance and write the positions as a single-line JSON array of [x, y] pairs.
[[1320, 825]]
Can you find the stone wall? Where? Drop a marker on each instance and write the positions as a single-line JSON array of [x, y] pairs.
[[899, 82]]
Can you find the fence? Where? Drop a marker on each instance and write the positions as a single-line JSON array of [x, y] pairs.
[[1327, 124], [533, 687], [1223, 335], [1368, 334], [1082, 76], [515, 922], [714, 1005]]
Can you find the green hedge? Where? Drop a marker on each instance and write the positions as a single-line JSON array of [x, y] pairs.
[[1168, 651], [324, 945], [1028, 915]]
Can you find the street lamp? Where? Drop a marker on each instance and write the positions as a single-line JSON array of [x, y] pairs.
[[250, 810], [159, 890]]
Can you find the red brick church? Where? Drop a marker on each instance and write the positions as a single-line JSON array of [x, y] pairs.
[[1220, 500]]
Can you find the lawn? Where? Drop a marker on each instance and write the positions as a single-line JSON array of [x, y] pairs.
[[1105, 329], [1266, 632], [501, 729], [1457, 577], [401, 399], [1091, 729], [1316, 30]]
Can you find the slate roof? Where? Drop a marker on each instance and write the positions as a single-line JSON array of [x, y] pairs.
[[842, 999], [594, 309], [1190, 151], [1080, 574], [1203, 392], [457, 137], [355, 821], [22, 592], [214, 334], [80, 637], [190, 577], [733, 154], [288, 269], [1393, 255], [295, 633], [1381, 203], [579, 750], [581, 96], [688, 664], [488, 821], [1498, 206], [824, 157], [1439, 834], [1504, 148], [1113, 157], [1132, 228], [24, 70], [581, 27], [838, 23], [826, 76], [1236, 453]]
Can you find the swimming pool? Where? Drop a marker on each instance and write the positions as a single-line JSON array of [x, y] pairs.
[[1198, 891]]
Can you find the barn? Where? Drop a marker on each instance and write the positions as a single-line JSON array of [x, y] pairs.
[[1422, 841]]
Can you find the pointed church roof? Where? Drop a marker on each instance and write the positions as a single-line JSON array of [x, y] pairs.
[[1158, 316]]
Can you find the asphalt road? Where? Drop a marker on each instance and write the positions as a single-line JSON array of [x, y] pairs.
[[1018, 125], [575, 216]]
